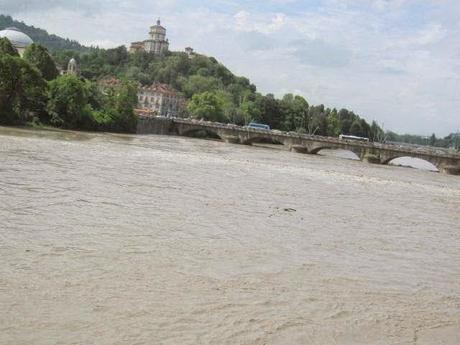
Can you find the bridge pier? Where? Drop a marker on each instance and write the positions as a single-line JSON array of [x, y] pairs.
[[446, 162], [231, 139], [371, 159], [449, 169], [300, 149]]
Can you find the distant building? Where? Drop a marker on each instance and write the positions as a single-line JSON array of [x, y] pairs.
[[161, 99], [156, 99], [18, 39], [157, 44], [73, 68]]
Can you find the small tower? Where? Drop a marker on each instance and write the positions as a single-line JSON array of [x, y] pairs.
[[72, 67]]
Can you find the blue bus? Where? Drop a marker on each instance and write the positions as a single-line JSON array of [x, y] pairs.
[[258, 126]]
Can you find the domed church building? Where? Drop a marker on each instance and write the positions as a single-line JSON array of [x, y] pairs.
[[157, 44], [18, 39]]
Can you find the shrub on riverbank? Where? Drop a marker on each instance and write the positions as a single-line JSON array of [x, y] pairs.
[[22, 90], [77, 104], [65, 101]]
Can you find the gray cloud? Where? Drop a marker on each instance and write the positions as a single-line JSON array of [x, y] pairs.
[[255, 41], [320, 53], [13, 7]]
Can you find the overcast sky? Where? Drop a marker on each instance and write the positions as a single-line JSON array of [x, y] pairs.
[[395, 61]]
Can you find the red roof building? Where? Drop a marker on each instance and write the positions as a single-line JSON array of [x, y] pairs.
[[161, 99]]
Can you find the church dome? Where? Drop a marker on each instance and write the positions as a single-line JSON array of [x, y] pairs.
[[17, 38]]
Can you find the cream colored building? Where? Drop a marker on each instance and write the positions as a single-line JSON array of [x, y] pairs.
[[157, 44], [154, 100], [161, 99]]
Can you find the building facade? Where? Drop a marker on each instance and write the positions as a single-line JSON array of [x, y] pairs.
[[161, 99], [156, 44], [154, 100]]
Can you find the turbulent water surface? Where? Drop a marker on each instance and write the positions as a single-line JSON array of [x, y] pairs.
[[112, 239]]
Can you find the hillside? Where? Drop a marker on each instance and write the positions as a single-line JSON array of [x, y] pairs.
[[213, 91], [52, 42]]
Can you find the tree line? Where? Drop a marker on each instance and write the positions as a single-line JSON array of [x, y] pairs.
[[450, 141], [33, 91], [214, 93]]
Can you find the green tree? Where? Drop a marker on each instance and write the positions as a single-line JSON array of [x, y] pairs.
[[317, 120], [22, 90], [39, 57], [197, 84], [377, 133], [68, 102], [334, 128], [7, 48], [116, 56], [120, 108], [270, 110], [206, 105], [294, 112], [356, 128], [249, 111]]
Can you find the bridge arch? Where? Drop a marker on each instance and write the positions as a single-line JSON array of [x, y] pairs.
[[200, 133], [356, 154], [266, 139], [412, 162]]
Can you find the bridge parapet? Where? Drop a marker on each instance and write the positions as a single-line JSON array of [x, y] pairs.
[[304, 143]]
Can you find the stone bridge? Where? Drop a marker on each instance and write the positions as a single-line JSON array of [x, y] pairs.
[[445, 161]]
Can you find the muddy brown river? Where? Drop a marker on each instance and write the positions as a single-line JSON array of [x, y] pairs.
[[118, 239]]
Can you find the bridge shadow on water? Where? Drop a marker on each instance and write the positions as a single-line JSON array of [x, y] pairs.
[[203, 134], [339, 153]]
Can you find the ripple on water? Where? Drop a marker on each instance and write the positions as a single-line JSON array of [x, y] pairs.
[[141, 239]]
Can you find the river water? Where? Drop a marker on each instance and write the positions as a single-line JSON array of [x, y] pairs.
[[118, 239]]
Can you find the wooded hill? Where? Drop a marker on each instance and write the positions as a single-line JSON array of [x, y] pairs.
[[213, 91]]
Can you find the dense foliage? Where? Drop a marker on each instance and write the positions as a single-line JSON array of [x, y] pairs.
[[39, 57], [65, 101], [451, 141], [22, 90], [7, 48], [216, 94], [51, 42], [212, 91]]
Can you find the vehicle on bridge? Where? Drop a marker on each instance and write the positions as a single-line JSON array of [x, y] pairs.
[[352, 137], [255, 125]]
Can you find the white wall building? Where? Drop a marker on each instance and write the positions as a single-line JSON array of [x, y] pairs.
[[160, 99]]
